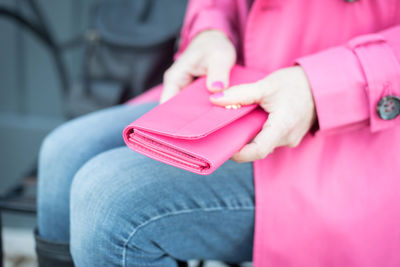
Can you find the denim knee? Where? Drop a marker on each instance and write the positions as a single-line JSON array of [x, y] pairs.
[[62, 146], [49, 149], [102, 209]]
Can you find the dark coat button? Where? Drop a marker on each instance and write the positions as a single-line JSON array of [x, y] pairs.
[[388, 107]]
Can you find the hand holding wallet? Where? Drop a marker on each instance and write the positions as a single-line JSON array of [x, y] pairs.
[[191, 133]]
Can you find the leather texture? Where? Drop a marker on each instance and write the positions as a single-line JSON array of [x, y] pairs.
[[191, 133]]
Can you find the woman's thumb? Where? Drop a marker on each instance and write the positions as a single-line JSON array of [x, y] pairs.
[[218, 73]]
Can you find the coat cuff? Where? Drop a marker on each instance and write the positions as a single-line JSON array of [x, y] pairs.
[[349, 81], [337, 84]]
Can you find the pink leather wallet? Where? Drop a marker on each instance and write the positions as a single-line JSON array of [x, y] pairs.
[[191, 133]]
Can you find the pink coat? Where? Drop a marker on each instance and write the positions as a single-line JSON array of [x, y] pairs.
[[335, 199]]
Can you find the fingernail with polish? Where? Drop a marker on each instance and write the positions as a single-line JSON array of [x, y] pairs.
[[217, 85], [217, 95]]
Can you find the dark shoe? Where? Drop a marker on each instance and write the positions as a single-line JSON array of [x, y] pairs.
[[52, 254], [182, 263]]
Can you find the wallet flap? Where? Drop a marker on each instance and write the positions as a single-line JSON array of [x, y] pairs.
[[191, 115]]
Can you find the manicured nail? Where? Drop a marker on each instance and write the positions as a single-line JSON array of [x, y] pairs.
[[217, 95], [218, 85]]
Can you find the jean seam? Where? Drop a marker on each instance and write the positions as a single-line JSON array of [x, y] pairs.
[[158, 217]]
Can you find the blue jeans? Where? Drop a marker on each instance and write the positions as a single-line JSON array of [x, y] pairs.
[[119, 208]]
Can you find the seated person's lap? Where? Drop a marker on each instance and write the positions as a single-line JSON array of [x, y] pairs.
[[128, 208]]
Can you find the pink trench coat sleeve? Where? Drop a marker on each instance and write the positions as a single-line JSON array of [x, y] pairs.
[[335, 199]]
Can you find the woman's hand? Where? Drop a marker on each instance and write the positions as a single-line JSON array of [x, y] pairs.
[[210, 53], [286, 95]]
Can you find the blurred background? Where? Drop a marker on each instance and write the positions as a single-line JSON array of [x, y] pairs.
[[60, 59]]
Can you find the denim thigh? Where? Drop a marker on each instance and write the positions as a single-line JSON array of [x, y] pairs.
[[129, 210]]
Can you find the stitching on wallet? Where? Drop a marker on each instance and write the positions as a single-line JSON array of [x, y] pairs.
[[164, 146], [168, 159], [140, 147]]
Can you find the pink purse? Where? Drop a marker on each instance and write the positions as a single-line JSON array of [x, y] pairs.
[[191, 133]]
